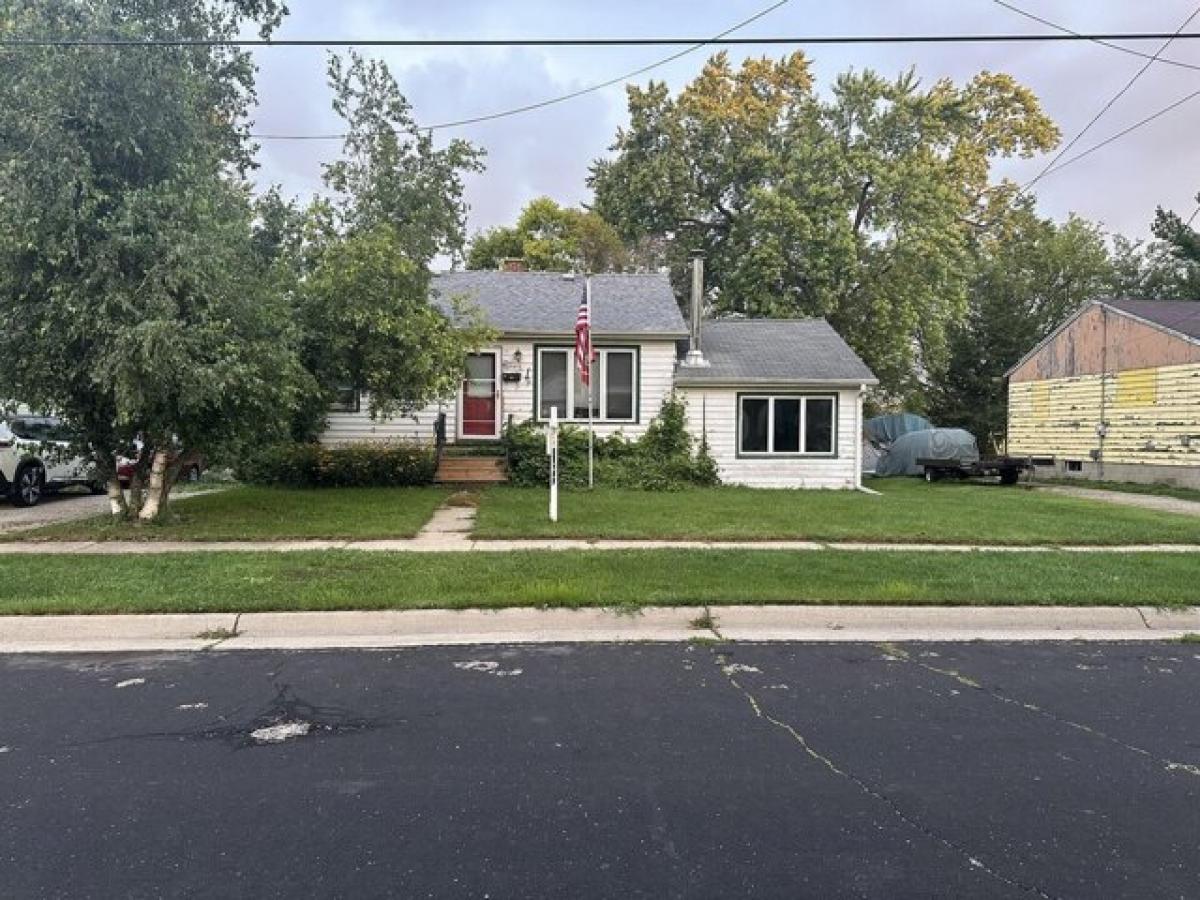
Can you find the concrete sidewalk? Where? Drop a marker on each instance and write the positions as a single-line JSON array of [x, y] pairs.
[[442, 542], [411, 628]]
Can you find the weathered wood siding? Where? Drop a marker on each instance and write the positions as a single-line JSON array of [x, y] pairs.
[[1102, 340], [1152, 416], [712, 412], [657, 367]]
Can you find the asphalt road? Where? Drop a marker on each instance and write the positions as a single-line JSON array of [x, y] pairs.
[[980, 770]]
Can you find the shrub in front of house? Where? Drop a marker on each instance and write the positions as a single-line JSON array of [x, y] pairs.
[[356, 464], [661, 460]]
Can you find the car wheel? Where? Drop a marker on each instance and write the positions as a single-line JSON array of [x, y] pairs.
[[29, 485], [97, 488]]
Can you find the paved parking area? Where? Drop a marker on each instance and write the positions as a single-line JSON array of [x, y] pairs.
[[637, 770]]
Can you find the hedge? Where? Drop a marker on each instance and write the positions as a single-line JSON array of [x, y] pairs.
[[356, 464], [661, 460]]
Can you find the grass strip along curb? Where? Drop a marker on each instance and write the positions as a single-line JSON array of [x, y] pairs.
[[340, 580]]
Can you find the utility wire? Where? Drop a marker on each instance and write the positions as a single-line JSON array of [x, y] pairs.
[[1116, 137], [1108, 105], [1165, 60], [125, 44], [1102, 42], [530, 107]]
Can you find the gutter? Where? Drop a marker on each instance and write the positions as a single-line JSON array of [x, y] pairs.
[[718, 382], [597, 335]]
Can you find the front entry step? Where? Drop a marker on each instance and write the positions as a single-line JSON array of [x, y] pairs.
[[471, 470]]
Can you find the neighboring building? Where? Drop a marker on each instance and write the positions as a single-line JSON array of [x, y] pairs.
[[1113, 393], [780, 402]]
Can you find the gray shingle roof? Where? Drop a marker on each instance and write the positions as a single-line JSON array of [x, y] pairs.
[[546, 303], [775, 351], [1178, 315]]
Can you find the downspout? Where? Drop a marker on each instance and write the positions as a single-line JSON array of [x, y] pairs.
[[858, 401], [1102, 427], [858, 430]]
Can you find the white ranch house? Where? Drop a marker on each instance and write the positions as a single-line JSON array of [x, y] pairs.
[[780, 401]]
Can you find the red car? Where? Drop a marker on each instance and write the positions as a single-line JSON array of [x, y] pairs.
[[125, 471]]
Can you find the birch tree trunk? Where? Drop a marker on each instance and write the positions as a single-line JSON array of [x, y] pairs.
[[116, 498], [157, 489]]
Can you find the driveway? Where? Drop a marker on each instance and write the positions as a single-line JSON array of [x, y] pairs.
[[641, 770], [70, 504], [60, 507], [1127, 498]]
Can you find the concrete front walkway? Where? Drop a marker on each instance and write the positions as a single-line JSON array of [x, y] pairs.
[[409, 628], [1127, 498]]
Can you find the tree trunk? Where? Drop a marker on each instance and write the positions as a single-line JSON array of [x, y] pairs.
[[137, 493], [116, 498], [156, 492]]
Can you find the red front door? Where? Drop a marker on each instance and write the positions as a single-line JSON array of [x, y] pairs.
[[479, 401]]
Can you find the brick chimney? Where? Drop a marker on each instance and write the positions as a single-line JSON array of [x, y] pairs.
[[514, 264]]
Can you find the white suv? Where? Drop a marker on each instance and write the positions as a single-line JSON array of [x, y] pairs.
[[36, 457]]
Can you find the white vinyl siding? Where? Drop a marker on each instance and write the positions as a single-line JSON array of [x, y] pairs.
[[655, 360], [343, 427], [713, 414]]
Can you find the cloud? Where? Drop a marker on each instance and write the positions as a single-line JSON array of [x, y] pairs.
[[548, 151]]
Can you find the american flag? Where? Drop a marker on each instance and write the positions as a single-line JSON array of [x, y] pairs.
[[583, 338]]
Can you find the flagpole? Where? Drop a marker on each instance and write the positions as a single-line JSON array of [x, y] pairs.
[[591, 381]]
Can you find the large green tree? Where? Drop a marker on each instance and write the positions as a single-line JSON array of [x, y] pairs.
[[862, 207], [364, 276], [551, 238], [130, 299], [1027, 277]]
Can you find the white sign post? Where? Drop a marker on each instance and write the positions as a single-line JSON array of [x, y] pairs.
[[552, 452]]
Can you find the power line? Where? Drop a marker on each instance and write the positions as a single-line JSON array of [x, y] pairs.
[[1104, 43], [1129, 50], [1065, 37], [530, 107], [1120, 134], [1109, 104]]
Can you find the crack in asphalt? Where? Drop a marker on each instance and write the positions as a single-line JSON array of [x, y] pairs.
[[865, 787], [901, 655]]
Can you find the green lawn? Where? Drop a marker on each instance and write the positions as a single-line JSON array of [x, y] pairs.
[[907, 510], [314, 580], [260, 513]]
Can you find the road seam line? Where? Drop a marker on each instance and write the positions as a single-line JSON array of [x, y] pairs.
[[1168, 765], [972, 861]]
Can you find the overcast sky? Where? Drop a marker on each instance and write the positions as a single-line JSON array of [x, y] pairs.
[[548, 151]]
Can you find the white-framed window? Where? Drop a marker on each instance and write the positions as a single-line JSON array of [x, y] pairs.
[[614, 385], [787, 424]]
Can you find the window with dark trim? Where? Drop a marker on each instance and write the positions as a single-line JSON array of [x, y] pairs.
[[787, 424], [347, 400], [614, 385]]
